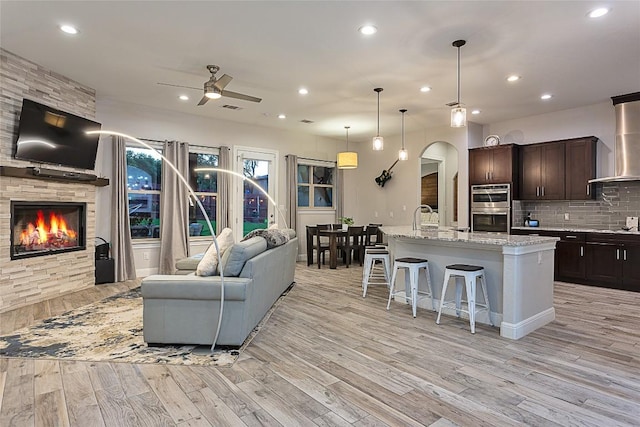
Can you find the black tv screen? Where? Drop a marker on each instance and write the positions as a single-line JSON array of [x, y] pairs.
[[47, 135]]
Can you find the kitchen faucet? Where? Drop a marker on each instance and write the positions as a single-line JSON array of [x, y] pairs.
[[419, 208]]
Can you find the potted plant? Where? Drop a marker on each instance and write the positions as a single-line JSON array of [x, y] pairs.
[[346, 221]]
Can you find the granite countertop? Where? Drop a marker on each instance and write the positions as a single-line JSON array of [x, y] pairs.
[[571, 229], [451, 235]]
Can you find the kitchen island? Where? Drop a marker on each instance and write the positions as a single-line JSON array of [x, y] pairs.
[[518, 269]]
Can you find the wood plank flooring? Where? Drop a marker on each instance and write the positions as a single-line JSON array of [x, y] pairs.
[[329, 357]]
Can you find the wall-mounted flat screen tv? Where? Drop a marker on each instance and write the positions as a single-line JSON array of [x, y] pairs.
[[48, 135]]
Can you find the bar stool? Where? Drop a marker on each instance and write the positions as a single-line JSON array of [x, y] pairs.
[[470, 274], [370, 275], [414, 265]]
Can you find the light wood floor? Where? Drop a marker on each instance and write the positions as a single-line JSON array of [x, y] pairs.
[[328, 357]]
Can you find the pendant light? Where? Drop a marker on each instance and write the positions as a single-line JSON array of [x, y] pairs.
[[402, 154], [347, 159], [378, 141], [458, 112]]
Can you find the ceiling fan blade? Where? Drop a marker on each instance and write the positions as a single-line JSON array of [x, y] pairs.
[[223, 81], [172, 85], [240, 96], [203, 100]]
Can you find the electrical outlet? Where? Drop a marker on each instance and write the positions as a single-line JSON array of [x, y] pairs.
[[566, 216], [391, 214], [404, 208], [145, 256], [375, 214]]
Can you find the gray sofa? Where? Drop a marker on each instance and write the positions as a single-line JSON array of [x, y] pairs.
[[184, 309]]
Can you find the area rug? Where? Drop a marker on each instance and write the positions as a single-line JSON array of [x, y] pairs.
[[111, 330]]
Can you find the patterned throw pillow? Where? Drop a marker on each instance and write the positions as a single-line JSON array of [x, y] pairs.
[[274, 237], [209, 262]]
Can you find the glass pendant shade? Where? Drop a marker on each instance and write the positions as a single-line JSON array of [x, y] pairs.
[[403, 154], [458, 117], [347, 159], [378, 143]]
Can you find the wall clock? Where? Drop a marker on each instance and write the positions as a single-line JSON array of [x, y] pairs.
[[491, 140]]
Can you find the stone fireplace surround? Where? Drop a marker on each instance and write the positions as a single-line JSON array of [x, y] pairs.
[[30, 280]]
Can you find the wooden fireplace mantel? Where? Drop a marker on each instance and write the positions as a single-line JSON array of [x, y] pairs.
[[53, 175]]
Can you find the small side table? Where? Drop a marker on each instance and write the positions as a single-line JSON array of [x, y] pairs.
[[105, 271]]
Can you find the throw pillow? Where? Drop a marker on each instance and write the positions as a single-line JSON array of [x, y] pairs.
[[209, 262], [274, 237], [234, 259]]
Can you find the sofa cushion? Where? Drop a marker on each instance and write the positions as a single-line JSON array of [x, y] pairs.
[[273, 236], [234, 258], [209, 262]]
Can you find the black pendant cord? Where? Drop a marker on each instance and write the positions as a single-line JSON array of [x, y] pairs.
[[403, 111], [458, 76]]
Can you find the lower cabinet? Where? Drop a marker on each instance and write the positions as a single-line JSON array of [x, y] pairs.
[[598, 259]]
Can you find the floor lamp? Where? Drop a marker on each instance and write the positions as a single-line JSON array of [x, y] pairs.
[[193, 194]]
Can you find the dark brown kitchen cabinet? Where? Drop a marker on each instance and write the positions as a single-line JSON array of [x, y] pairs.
[[542, 171], [598, 259], [493, 165], [580, 159]]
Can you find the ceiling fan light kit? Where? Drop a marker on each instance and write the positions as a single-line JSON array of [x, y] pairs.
[[458, 112], [403, 154], [347, 159], [378, 141]]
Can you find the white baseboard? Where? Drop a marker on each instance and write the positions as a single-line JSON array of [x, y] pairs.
[[518, 330], [144, 272]]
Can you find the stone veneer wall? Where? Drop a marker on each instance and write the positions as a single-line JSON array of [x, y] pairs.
[[614, 202], [36, 279]]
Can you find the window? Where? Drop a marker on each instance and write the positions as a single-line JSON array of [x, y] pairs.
[[205, 185], [315, 186], [144, 184], [144, 177]]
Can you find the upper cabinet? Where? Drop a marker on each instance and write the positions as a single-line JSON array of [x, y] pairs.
[[542, 171], [558, 170], [580, 154], [493, 165]]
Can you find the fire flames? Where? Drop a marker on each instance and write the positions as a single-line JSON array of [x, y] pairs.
[[55, 234]]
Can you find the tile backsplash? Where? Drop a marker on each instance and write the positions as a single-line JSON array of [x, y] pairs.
[[614, 202]]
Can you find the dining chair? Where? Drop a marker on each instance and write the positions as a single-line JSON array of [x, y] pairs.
[[311, 243], [373, 235], [354, 244], [321, 243]]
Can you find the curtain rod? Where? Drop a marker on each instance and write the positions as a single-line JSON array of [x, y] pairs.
[[317, 160], [181, 142]]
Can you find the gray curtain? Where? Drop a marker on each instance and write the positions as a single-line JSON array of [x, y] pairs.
[[121, 247], [340, 189], [291, 180], [224, 190], [174, 210]]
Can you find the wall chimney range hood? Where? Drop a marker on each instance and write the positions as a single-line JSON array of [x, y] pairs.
[[627, 145]]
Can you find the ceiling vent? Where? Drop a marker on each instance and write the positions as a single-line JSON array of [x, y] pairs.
[[231, 107], [305, 121]]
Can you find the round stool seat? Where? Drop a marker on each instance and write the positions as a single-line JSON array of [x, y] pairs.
[[410, 260], [464, 267]]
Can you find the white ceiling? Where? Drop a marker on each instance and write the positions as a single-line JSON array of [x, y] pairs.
[[272, 48]]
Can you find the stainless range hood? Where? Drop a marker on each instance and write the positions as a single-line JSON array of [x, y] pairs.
[[627, 146]]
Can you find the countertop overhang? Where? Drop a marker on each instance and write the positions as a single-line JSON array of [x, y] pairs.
[[578, 230]]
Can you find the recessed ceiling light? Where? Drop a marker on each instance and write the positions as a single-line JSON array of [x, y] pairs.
[[303, 91], [475, 112], [69, 29], [184, 97], [425, 89], [368, 30], [597, 13], [513, 78], [282, 116], [546, 96]]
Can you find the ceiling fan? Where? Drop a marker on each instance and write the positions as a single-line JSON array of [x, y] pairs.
[[215, 88]]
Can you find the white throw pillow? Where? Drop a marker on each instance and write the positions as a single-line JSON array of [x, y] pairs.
[[209, 262]]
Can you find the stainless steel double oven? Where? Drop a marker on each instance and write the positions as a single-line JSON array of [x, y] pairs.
[[491, 208]]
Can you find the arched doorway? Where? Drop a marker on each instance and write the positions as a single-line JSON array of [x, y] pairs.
[[439, 181]]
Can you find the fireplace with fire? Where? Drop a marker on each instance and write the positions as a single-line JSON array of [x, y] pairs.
[[45, 228]]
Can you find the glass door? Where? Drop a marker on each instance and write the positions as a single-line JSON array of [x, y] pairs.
[[254, 210]]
